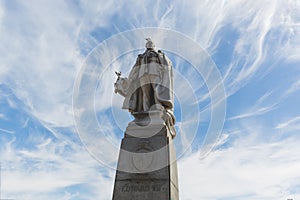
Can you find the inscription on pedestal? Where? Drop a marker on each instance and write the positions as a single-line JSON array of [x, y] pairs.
[[143, 188], [129, 190]]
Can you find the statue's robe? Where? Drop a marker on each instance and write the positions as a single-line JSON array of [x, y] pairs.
[[150, 63], [155, 64]]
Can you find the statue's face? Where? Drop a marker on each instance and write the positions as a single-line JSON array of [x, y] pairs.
[[150, 45]]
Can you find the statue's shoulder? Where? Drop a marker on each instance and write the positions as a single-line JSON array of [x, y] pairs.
[[139, 59], [160, 52], [163, 58]]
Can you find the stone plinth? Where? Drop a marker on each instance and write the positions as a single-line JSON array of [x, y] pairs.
[[147, 167]]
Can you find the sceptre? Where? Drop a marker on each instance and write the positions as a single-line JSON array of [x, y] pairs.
[[118, 74]]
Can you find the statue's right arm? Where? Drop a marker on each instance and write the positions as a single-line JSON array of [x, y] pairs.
[[121, 86]]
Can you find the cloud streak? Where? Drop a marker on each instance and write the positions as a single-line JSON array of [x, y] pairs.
[[39, 56], [251, 171], [292, 124], [50, 168]]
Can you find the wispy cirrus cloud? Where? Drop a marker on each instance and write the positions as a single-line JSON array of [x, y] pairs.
[[252, 21], [292, 124], [39, 55], [52, 168], [260, 107], [295, 86], [245, 170]]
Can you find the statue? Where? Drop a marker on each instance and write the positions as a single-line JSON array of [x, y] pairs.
[[147, 166], [149, 86]]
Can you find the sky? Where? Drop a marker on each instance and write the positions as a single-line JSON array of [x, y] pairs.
[[237, 91]]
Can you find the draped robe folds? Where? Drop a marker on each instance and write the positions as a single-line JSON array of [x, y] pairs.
[[160, 66], [154, 64]]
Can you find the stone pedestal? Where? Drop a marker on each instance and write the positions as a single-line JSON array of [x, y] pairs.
[[147, 167]]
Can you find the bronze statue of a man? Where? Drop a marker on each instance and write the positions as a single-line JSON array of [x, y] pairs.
[[149, 86]]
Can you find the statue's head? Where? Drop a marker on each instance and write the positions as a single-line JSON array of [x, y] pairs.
[[149, 44]]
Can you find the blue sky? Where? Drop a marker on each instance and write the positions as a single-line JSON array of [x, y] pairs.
[[45, 45]]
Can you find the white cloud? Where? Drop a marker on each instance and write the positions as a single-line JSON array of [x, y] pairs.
[[49, 45], [253, 112], [262, 106], [293, 88], [292, 124], [40, 55], [7, 131], [50, 167], [246, 170], [2, 116], [262, 36]]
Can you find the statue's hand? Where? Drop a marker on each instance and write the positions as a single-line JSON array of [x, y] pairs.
[[121, 86]]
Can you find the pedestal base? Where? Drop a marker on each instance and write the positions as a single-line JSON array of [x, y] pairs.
[[147, 167]]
